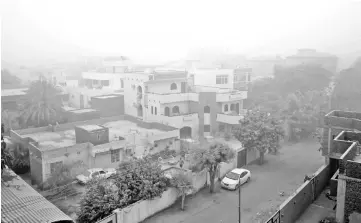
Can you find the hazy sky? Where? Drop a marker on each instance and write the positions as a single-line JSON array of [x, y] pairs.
[[166, 30]]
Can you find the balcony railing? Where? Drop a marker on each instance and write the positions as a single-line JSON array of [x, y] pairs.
[[181, 120], [231, 118], [171, 98], [234, 96]]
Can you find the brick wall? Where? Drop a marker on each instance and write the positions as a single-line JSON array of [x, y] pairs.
[[353, 198]]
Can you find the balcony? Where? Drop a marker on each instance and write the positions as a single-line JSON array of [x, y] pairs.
[[171, 98], [181, 120], [231, 96], [343, 119], [241, 86], [231, 118]]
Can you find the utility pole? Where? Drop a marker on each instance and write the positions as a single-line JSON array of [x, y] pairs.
[[239, 203]]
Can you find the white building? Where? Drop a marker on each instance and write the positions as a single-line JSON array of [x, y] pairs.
[[108, 79], [206, 102]]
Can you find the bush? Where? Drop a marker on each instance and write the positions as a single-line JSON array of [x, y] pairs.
[[141, 179]]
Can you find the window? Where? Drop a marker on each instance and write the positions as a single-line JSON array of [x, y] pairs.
[[233, 107], [173, 86], [151, 109], [54, 167], [207, 109], [105, 82], [221, 79], [115, 155], [243, 174], [226, 108], [155, 110], [207, 128], [102, 172], [121, 83]]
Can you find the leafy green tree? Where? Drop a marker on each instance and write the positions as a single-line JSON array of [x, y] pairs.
[[259, 131], [43, 104], [209, 157], [141, 179], [183, 183]]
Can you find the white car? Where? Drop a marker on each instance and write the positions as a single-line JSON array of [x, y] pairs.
[[236, 178], [95, 173]]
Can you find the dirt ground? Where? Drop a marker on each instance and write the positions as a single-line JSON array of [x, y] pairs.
[[260, 197]]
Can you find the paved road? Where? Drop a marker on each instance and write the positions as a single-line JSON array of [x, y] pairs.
[[282, 173]]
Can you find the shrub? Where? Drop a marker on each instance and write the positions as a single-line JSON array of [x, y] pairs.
[[141, 179]]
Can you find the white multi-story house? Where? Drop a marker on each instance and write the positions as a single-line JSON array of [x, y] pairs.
[[107, 79], [203, 103]]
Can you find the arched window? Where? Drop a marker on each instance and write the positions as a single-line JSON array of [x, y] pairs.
[[226, 108], [207, 109], [175, 110], [155, 110], [173, 86], [166, 111]]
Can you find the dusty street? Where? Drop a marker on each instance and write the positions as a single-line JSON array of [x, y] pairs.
[[260, 197]]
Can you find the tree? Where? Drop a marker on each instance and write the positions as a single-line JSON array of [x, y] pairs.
[[42, 105], [6, 158], [347, 92], [209, 157], [259, 131], [100, 200], [183, 183], [141, 179], [9, 80], [301, 78]]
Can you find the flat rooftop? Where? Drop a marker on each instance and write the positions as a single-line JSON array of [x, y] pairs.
[[129, 130], [108, 96], [80, 111], [13, 92]]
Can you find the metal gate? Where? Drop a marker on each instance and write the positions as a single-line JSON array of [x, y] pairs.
[[276, 218], [241, 158]]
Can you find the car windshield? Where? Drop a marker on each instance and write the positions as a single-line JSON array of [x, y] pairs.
[[86, 173], [232, 176]]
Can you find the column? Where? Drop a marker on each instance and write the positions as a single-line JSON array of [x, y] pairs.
[[341, 192]]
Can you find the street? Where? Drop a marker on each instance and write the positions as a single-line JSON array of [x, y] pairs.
[[260, 197]]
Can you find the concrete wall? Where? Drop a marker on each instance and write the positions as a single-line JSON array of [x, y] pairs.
[[207, 99], [109, 106], [103, 160], [207, 77], [130, 92], [141, 210], [163, 87], [97, 137], [296, 204]]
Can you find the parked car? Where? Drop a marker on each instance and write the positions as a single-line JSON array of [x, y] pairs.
[[236, 178], [89, 174]]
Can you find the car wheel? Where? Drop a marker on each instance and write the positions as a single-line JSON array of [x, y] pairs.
[[248, 179]]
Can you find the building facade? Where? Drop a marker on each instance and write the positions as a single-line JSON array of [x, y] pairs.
[[312, 57], [203, 103], [98, 143]]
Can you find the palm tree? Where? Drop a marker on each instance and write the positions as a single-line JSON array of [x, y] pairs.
[[42, 105]]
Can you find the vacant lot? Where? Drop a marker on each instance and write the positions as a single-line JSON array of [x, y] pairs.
[[281, 173]]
